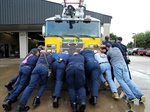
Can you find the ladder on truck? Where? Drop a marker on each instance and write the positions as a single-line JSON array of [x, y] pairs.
[[80, 3], [70, 11]]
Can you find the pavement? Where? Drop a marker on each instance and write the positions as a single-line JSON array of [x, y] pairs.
[[9, 69]]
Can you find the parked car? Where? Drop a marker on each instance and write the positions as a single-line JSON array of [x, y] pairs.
[[130, 51], [148, 53], [143, 51], [135, 50]]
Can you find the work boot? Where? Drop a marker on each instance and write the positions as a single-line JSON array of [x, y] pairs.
[[22, 108], [106, 84], [7, 105], [36, 102], [93, 100], [82, 107], [9, 86], [142, 99], [56, 102], [74, 107], [115, 95], [131, 100]]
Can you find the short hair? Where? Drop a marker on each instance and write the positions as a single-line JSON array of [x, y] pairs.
[[106, 37], [108, 45]]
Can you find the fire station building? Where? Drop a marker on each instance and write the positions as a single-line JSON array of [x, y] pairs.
[[21, 24]]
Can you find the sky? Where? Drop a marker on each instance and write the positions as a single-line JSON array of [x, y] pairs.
[[128, 16]]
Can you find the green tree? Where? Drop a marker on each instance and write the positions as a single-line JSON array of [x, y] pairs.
[[147, 39], [113, 37], [139, 40], [130, 45]]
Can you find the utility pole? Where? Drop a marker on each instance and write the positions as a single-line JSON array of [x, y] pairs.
[[134, 39]]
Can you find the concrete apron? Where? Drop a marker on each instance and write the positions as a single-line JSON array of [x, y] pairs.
[[105, 103]]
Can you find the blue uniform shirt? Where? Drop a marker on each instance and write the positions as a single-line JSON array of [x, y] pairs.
[[123, 48], [76, 59], [88, 55], [65, 56], [42, 60], [30, 61], [107, 42]]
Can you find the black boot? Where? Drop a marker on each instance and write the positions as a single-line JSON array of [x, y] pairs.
[[22, 108], [74, 107], [56, 102], [9, 86], [82, 107], [36, 102], [93, 100], [7, 105]]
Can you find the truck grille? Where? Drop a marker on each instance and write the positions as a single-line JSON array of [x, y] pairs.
[[71, 47]]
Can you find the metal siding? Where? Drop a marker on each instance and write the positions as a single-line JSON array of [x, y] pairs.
[[35, 12]]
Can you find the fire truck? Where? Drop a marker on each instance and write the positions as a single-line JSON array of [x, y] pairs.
[[72, 30]]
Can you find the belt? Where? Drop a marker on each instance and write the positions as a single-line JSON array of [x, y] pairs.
[[91, 61], [75, 65], [26, 66], [47, 67], [104, 62]]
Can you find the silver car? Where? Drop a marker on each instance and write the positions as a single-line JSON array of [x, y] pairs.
[[148, 53]]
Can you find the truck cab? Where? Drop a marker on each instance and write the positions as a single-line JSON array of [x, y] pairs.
[[72, 30]]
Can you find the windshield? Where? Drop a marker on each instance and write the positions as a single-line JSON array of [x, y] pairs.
[[72, 28]]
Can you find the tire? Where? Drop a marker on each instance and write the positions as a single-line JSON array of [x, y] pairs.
[[134, 53]]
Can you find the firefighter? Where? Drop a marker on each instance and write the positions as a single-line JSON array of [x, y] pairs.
[[123, 50], [75, 78], [13, 80], [92, 72], [122, 74], [58, 70], [23, 78], [105, 67], [40, 73]]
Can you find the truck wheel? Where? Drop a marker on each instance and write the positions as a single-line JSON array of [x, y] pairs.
[[134, 53]]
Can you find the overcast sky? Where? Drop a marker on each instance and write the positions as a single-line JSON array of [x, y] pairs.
[[128, 16]]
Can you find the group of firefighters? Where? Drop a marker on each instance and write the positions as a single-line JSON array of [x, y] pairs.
[[81, 70]]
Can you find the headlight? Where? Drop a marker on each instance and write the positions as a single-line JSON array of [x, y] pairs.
[[53, 51], [51, 46], [91, 46], [49, 50]]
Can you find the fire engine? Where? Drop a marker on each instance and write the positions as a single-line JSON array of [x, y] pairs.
[[72, 30]]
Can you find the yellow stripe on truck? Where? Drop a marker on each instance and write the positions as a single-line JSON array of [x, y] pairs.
[[57, 40]]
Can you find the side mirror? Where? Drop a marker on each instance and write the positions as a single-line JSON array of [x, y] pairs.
[[43, 31]]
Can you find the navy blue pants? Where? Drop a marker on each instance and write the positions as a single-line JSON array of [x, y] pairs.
[[13, 80], [75, 78], [21, 83], [58, 70], [92, 76], [39, 74]]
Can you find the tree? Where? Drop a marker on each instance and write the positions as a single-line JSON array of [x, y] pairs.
[[139, 40], [147, 38], [113, 37], [130, 45]]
